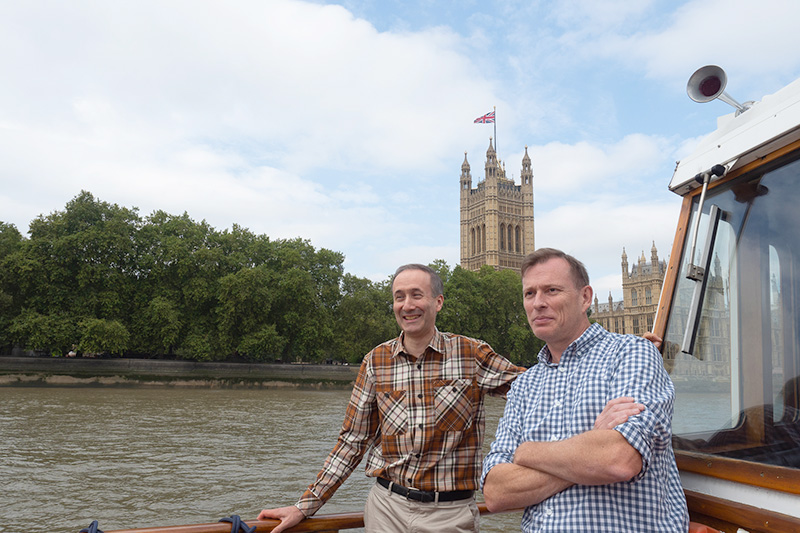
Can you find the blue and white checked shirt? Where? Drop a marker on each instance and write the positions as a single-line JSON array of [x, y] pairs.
[[553, 402]]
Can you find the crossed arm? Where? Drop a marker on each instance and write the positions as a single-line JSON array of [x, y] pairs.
[[541, 469]]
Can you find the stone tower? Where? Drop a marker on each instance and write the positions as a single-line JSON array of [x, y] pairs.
[[641, 288], [497, 216]]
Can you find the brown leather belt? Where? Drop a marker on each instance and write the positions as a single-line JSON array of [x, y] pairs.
[[425, 496]]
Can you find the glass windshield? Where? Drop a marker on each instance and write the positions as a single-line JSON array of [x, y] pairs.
[[737, 393]]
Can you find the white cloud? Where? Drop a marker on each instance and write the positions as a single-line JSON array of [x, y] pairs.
[[586, 167], [300, 119], [747, 41], [597, 232]]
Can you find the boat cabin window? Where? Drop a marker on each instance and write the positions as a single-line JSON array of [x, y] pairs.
[[737, 391]]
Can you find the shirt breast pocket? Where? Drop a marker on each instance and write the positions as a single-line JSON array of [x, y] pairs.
[[452, 403], [394, 412]]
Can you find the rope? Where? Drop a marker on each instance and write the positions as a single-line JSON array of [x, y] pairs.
[[236, 524], [94, 529]]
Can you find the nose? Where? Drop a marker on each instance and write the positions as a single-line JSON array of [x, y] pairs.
[[408, 303], [538, 300]]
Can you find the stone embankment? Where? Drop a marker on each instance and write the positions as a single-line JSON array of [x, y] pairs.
[[38, 371]]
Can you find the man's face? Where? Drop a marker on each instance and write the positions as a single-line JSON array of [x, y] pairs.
[[415, 307], [556, 309]]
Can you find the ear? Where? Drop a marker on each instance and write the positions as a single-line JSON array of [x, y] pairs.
[[439, 302], [586, 297]]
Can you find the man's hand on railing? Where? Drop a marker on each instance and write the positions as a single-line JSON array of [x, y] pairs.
[[289, 516]]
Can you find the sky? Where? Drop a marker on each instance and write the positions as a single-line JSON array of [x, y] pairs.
[[346, 123]]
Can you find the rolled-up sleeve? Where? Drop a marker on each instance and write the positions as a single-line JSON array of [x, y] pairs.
[[641, 375]]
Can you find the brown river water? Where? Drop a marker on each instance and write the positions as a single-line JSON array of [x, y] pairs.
[[146, 457]]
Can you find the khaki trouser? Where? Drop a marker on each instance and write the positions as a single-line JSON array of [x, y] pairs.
[[387, 512]]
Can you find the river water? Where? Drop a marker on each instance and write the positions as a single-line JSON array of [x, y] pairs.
[[139, 457]]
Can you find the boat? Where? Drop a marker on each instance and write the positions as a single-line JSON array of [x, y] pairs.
[[729, 317], [729, 313]]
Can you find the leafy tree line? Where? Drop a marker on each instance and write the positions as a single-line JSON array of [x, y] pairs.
[[99, 278]]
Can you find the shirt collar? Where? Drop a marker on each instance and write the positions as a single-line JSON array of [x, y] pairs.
[[576, 348], [437, 343]]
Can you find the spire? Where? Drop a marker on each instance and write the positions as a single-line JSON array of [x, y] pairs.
[[624, 264], [526, 176], [654, 257], [466, 177], [492, 167]]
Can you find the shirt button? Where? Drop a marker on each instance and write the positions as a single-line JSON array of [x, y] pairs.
[[553, 438], [557, 403], [561, 369], [419, 396], [548, 512], [419, 366], [420, 426]]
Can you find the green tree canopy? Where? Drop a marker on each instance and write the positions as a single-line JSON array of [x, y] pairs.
[[99, 277]]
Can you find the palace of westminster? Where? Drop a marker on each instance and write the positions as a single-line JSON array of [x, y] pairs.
[[497, 230]]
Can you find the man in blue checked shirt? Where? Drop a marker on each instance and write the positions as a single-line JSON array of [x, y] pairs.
[[554, 452]]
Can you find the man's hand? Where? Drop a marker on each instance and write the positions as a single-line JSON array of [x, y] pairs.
[[652, 337], [616, 412], [289, 516]]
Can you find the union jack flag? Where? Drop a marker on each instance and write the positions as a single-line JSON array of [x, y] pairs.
[[488, 118]]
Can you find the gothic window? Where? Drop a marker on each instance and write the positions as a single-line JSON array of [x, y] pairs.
[[517, 238], [636, 326], [511, 239], [472, 249], [634, 298], [502, 236], [648, 299], [483, 237]]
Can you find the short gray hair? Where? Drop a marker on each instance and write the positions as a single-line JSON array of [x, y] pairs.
[[579, 275], [437, 287]]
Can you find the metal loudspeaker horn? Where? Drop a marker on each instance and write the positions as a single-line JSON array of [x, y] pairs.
[[708, 83]]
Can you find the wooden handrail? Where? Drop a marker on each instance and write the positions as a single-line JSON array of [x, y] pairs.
[[329, 522]]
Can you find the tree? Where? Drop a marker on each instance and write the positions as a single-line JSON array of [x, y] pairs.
[[363, 319], [54, 333], [158, 327], [245, 302], [100, 336], [11, 243]]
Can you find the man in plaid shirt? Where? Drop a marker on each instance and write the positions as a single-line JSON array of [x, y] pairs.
[[585, 442], [417, 410]]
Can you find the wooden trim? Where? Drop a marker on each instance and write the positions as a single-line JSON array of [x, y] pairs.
[[735, 515], [756, 474], [673, 270], [329, 523]]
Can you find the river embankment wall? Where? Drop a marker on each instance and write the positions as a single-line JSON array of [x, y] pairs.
[[62, 371]]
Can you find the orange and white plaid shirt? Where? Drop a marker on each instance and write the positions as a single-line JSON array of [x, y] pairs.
[[422, 420]]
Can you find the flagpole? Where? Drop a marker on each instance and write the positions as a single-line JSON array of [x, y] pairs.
[[494, 108]]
